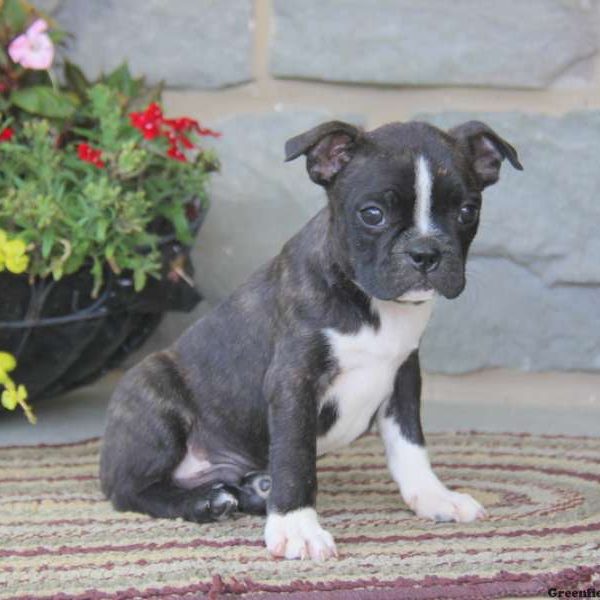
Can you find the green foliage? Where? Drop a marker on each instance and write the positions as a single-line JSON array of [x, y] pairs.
[[43, 100], [14, 14], [75, 79], [92, 174], [28, 91], [72, 213], [82, 182]]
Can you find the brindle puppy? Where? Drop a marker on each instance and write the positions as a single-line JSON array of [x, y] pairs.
[[318, 344]]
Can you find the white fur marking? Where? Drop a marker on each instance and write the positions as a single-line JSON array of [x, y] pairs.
[[297, 534], [422, 491], [416, 296], [368, 361], [423, 187]]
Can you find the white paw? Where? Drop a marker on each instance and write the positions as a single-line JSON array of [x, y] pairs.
[[441, 504], [297, 534]]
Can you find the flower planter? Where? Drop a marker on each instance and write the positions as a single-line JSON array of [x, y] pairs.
[[63, 338], [99, 192]]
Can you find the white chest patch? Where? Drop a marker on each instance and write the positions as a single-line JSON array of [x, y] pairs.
[[368, 361]]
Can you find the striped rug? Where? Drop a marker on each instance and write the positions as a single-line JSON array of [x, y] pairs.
[[59, 539]]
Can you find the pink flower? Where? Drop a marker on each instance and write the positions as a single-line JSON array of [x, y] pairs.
[[34, 48]]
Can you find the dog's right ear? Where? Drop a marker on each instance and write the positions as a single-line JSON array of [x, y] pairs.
[[328, 148], [486, 150]]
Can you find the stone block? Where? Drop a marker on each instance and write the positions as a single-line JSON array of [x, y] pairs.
[[432, 42], [187, 43]]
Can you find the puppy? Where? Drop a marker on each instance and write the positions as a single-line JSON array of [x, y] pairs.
[[318, 344]]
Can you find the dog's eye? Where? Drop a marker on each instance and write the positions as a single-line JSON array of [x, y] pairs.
[[372, 216], [468, 214]]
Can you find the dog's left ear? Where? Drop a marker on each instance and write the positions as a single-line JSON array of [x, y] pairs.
[[328, 147], [486, 149]]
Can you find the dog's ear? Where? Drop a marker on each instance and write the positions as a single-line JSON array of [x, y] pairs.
[[328, 148], [486, 150]]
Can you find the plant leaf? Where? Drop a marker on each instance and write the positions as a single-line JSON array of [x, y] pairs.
[[3, 57], [57, 35], [101, 228], [139, 280], [47, 242], [13, 13], [176, 214], [57, 269], [75, 78], [122, 81], [44, 101], [147, 95]]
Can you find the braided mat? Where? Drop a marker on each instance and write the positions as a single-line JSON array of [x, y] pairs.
[[60, 539]]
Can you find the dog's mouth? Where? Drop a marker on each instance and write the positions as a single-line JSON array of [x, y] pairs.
[[418, 296]]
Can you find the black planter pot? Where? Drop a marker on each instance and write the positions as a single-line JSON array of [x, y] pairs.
[[63, 338]]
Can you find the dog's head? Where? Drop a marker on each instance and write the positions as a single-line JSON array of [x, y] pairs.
[[404, 200]]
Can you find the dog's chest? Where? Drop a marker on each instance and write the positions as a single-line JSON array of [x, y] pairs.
[[367, 362]]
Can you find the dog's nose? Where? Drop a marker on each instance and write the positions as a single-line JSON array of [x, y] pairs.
[[425, 256]]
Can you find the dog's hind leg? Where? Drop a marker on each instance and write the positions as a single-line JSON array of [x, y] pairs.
[[253, 491], [250, 488], [149, 420], [164, 500]]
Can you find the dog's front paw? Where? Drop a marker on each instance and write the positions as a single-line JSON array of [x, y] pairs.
[[297, 534], [441, 504]]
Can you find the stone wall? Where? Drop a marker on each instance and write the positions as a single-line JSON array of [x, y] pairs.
[[262, 71]]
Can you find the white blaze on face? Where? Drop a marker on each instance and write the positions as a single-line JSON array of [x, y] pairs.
[[423, 186]]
